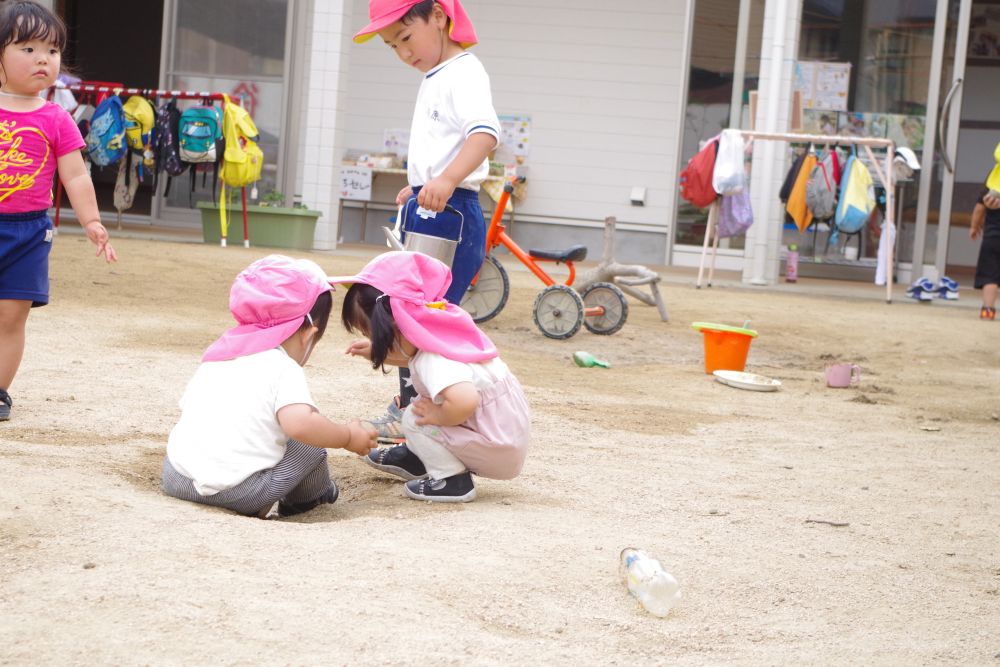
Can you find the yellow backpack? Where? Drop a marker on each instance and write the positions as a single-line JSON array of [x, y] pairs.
[[139, 119], [243, 159]]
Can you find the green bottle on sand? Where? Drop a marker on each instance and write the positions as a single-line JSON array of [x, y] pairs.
[[587, 360]]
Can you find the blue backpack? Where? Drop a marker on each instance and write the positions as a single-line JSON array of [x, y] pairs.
[[200, 132], [106, 138]]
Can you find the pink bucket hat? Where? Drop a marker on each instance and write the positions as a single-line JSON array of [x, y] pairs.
[[416, 284], [269, 300], [384, 13]]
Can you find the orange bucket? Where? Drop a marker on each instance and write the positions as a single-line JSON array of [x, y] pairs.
[[726, 347]]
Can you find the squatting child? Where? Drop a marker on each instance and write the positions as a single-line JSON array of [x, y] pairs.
[[249, 434], [471, 415]]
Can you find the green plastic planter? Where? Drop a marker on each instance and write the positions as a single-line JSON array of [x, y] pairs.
[[269, 226]]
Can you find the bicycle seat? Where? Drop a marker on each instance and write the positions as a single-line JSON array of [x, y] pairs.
[[576, 253]]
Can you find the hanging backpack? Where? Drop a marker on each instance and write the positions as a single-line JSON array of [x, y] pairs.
[[796, 208], [242, 158], [106, 136], [200, 140], [139, 117], [166, 152], [696, 179], [735, 214], [821, 189], [200, 132], [857, 198]]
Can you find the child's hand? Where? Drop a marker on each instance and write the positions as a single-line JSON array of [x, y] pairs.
[[362, 347], [435, 195], [98, 235], [362, 438], [404, 195], [426, 411]]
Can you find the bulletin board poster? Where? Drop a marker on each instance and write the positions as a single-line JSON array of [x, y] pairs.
[[823, 85], [356, 183], [515, 139]]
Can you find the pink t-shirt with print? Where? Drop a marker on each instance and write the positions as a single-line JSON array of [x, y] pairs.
[[30, 144]]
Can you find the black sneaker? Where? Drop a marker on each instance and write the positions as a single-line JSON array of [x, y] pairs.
[[398, 461], [5, 405], [291, 509], [455, 489]]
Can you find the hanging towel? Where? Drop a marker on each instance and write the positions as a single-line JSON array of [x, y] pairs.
[[796, 207], [885, 241]]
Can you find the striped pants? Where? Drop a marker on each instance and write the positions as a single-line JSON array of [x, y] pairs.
[[300, 477]]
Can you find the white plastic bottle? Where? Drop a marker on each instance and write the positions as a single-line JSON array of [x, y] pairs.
[[648, 582]]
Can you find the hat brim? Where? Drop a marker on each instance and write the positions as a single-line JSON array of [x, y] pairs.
[[384, 21], [247, 339]]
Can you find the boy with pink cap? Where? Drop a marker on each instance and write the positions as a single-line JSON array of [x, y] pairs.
[[249, 433], [454, 128], [471, 415]]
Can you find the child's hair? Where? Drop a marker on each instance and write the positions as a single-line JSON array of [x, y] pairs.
[[367, 311], [320, 315], [23, 20], [422, 10]]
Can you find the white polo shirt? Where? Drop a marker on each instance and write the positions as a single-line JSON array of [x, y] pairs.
[[453, 103]]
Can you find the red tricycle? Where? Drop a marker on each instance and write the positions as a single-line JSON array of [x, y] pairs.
[[559, 310]]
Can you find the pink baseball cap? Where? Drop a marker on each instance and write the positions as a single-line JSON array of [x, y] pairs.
[[416, 284], [384, 13], [269, 300]]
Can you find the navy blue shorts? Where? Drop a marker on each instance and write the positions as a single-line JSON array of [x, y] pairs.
[[25, 242], [988, 266], [470, 252]]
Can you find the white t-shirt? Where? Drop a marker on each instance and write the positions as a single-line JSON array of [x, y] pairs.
[[437, 373], [454, 102], [229, 428]]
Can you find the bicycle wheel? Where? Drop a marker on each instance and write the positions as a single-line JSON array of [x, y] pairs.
[[488, 295], [558, 311], [611, 299]]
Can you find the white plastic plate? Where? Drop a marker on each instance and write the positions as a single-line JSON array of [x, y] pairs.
[[750, 381]]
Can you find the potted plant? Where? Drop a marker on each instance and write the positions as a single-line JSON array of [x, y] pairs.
[[270, 222]]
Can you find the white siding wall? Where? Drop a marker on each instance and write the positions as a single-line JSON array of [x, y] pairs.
[[601, 83]]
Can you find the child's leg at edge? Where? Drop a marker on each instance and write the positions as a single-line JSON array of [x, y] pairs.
[[990, 295], [437, 459], [13, 316]]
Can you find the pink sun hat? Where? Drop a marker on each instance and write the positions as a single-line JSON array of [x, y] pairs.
[[415, 284], [384, 13], [269, 300]]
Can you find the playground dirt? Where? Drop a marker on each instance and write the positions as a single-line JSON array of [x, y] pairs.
[[808, 525]]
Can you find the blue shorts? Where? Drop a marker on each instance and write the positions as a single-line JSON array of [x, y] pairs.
[[25, 242], [472, 249]]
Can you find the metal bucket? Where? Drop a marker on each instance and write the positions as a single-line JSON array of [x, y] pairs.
[[437, 247]]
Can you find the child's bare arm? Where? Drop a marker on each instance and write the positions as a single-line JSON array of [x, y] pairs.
[[977, 221], [436, 193], [460, 402], [80, 190], [303, 423]]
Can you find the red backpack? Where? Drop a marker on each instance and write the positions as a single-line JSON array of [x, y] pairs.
[[696, 179]]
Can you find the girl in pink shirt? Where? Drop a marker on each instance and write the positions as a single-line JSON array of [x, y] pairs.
[[36, 139]]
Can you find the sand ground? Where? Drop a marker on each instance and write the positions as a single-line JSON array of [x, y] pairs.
[[729, 488]]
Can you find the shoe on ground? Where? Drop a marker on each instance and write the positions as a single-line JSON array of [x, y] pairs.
[[455, 489], [947, 289], [985, 313], [398, 461], [291, 509], [922, 290], [389, 427], [5, 405]]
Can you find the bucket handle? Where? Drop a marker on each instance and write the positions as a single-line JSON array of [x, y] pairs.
[[447, 207]]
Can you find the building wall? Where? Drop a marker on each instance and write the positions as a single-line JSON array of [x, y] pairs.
[[602, 86]]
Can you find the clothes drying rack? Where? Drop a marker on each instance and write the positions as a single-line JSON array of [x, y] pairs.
[[885, 173], [96, 92]]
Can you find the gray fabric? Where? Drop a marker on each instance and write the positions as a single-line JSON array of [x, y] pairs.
[[300, 477]]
